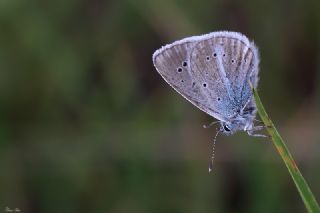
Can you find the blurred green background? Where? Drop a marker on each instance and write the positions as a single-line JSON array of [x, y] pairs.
[[88, 125]]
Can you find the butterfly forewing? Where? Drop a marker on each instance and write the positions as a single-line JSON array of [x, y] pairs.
[[207, 69], [173, 64]]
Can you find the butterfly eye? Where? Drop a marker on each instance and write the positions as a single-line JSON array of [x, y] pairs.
[[226, 128]]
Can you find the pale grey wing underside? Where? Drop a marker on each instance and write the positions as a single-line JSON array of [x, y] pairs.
[[223, 65], [173, 64]]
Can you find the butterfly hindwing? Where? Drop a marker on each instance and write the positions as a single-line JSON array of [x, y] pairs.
[[223, 64]]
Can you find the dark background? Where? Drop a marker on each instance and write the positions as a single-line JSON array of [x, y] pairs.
[[88, 125]]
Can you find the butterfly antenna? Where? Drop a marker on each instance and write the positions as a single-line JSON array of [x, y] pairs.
[[210, 125], [213, 148]]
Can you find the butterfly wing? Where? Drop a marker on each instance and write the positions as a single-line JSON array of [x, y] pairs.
[[223, 62], [173, 64]]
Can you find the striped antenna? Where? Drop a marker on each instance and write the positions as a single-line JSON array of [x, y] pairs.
[[213, 148]]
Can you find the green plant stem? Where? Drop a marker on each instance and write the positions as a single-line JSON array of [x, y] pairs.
[[302, 186]]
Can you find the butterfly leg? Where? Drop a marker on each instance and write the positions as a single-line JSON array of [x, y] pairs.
[[266, 126], [258, 121], [209, 125], [251, 127], [251, 133], [256, 128]]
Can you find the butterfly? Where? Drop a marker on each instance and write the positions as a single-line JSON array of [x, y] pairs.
[[213, 72]]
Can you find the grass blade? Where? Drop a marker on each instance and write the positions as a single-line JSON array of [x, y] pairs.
[[301, 184]]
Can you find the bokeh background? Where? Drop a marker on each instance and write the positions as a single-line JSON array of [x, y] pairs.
[[88, 125]]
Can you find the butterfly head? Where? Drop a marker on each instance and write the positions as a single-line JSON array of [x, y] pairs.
[[228, 128], [237, 124]]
